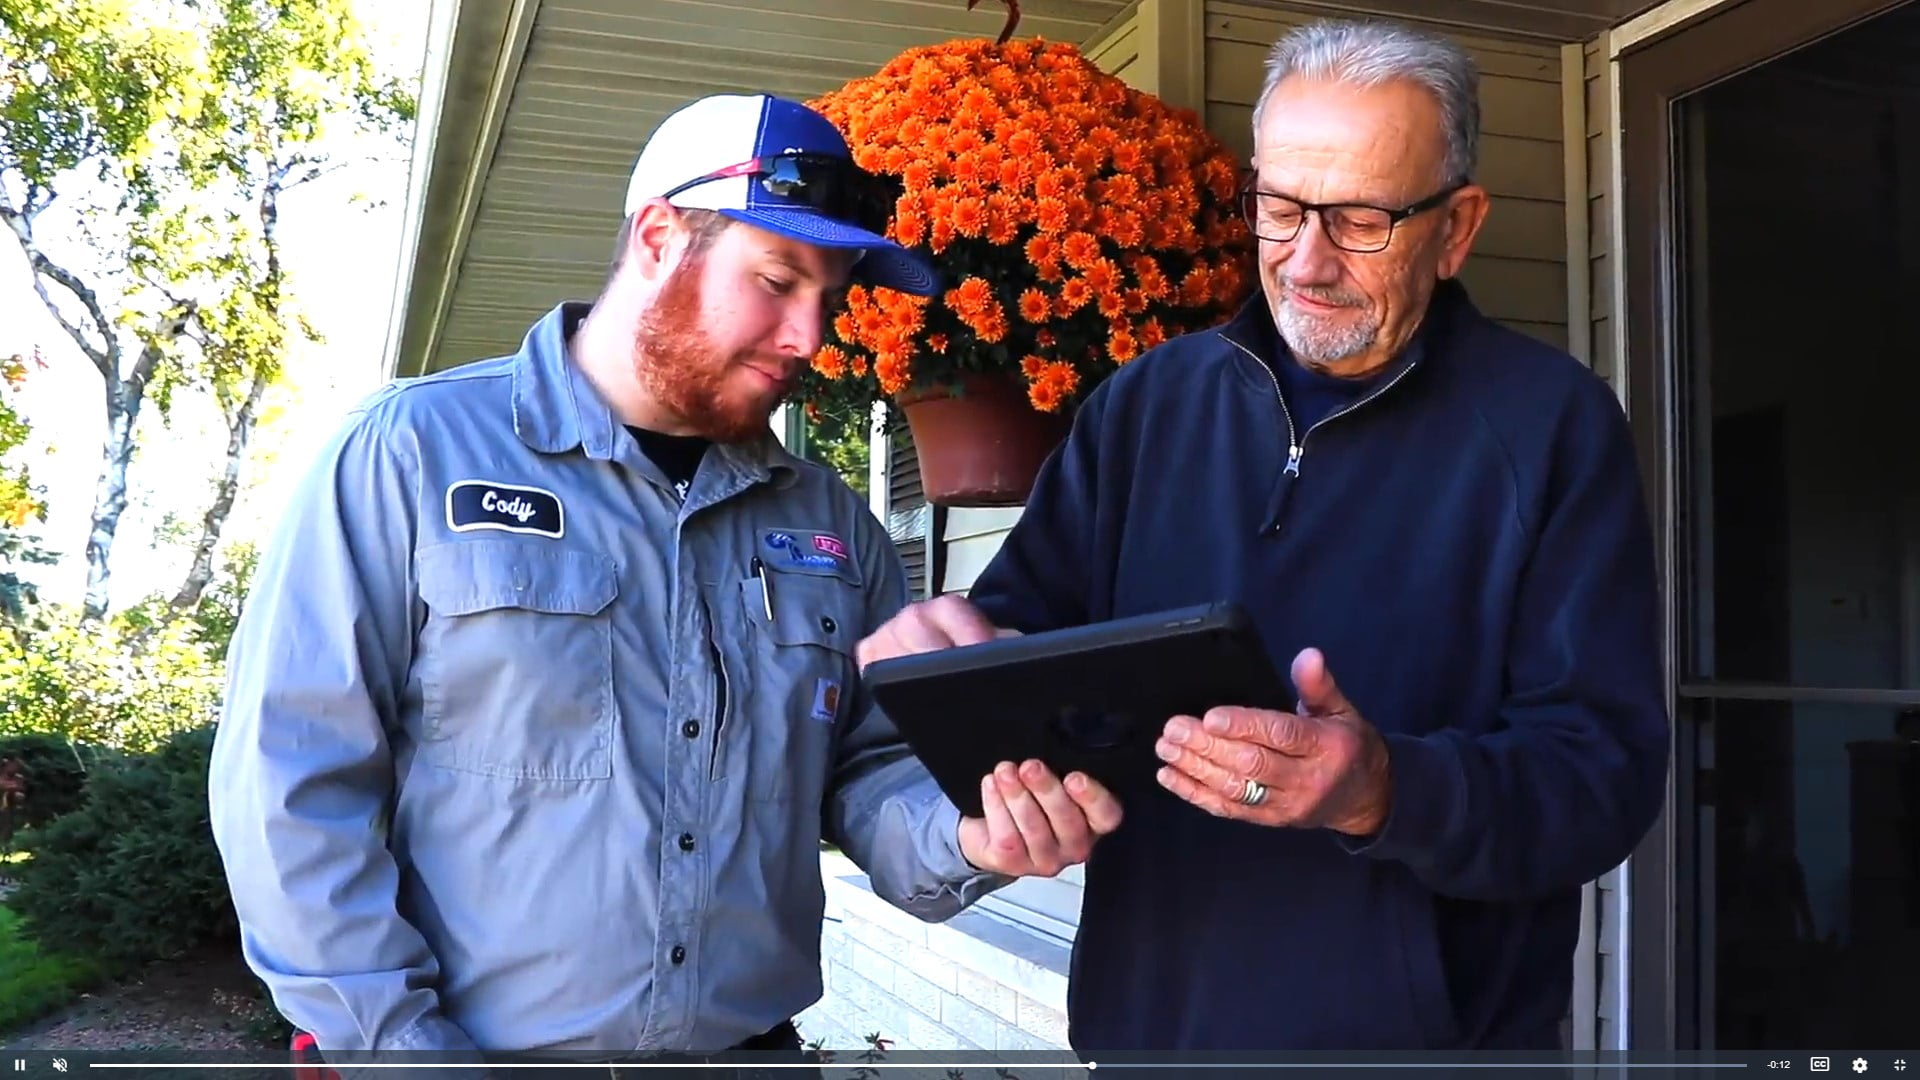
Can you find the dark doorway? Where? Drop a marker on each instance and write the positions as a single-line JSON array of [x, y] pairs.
[[1796, 485]]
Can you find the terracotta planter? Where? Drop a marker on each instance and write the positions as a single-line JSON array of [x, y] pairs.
[[981, 445]]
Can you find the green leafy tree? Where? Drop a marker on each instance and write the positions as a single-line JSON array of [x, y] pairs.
[[22, 503], [171, 131], [841, 441], [211, 620]]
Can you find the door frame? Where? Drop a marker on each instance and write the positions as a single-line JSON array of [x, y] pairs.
[[1652, 71]]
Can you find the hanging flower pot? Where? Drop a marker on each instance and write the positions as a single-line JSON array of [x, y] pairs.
[[1076, 223], [980, 441]]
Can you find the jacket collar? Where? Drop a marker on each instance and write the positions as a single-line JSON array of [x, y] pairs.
[[556, 409], [1252, 329]]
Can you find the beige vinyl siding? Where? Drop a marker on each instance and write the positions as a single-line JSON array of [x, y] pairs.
[[1115, 49], [1124, 54], [1605, 353], [1518, 272], [1602, 322], [972, 537]]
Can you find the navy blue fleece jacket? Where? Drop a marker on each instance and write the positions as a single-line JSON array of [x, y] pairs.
[[1468, 543]]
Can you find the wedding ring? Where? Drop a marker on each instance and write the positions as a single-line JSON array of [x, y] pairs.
[[1253, 793]]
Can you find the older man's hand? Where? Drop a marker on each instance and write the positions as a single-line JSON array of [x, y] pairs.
[[1322, 766], [1034, 823]]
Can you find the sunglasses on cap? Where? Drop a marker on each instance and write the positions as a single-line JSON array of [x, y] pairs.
[[829, 185]]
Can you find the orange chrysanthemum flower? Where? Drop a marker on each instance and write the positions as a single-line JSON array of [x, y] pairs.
[[830, 361], [1034, 306], [1075, 223], [1074, 295], [1080, 250], [1051, 384]]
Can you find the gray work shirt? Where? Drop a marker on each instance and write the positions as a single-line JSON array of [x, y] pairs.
[[516, 752]]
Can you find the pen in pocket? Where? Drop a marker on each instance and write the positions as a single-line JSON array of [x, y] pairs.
[[766, 595]]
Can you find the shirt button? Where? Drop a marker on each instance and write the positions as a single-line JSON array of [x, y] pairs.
[[827, 624], [691, 729], [679, 954], [686, 841]]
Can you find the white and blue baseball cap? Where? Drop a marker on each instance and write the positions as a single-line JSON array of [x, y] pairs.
[[776, 165]]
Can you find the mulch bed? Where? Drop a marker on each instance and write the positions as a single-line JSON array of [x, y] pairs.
[[205, 1001]]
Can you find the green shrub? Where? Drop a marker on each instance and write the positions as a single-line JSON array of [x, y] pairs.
[[55, 771], [133, 874]]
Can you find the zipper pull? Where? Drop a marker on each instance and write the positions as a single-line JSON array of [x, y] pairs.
[[1293, 461]]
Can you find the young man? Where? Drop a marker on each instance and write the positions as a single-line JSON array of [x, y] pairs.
[[545, 693]]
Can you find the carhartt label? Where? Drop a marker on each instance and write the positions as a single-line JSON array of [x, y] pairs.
[[826, 700], [482, 504]]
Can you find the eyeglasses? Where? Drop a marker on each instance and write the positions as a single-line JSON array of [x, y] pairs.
[[1357, 227], [831, 185]]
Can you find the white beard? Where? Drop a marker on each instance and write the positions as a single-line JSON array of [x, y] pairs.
[[1325, 339]]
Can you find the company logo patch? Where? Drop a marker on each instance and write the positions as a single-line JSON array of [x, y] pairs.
[[826, 700], [813, 552], [826, 553], [482, 504]]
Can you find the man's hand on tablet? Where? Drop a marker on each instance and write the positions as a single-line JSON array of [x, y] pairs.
[[1034, 823], [928, 626]]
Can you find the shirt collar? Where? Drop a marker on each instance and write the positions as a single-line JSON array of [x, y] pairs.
[[556, 408]]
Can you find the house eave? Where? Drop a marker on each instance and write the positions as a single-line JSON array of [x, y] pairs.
[[473, 60]]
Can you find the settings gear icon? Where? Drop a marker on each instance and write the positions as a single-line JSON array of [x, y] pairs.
[[1859, 1065]]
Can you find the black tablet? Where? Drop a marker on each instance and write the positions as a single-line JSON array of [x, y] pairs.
[[1092, 699]]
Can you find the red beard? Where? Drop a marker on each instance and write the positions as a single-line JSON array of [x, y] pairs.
[[681, 368]]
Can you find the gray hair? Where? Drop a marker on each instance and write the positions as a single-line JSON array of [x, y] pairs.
[[1372, 53]]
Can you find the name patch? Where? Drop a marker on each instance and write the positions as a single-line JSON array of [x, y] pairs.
[[482, 504]]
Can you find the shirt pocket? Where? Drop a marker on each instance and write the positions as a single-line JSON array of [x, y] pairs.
[[805, 628], [516, 659]]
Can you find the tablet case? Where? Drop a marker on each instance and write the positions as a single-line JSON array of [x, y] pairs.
[[1090, 698]]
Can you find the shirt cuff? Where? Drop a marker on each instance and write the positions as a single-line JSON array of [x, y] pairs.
[[1427, 790], [431, 1041], [950, 865]]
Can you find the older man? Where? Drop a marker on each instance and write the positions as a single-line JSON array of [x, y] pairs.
[[545, 694], [1441, 511]]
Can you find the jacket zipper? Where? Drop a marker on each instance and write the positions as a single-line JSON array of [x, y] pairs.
[[1297, 443]]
